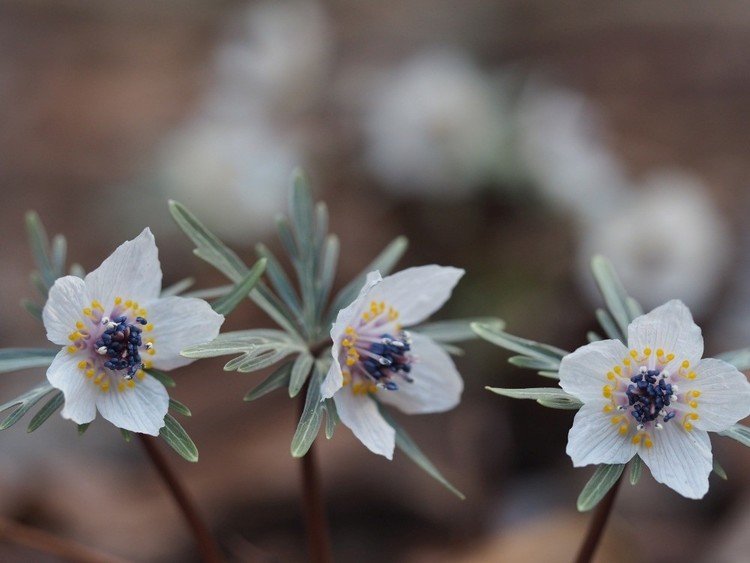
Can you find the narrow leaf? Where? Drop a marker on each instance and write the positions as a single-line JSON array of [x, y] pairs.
[[738, 432], [279, 280], [719, 470], [174, 434], [332, 417], [178, 288], [56, 402], [16, 359], [609, 326], [279, 378], [227, 304], [40, 249], [33, 308], [23, 404], [82, 428], [520, 345], [612, 290], [162, 377], [410, 448], [738, 358], [127, 435], [300, 372], [538, 364], [177, 406], [309, 422], [599, 485], [456, 330], [592, 336], [636, 470]]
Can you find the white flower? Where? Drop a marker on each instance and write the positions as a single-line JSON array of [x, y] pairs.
[[657, 236], [374, 357], [435, 127], [656, 398], [113, 325]]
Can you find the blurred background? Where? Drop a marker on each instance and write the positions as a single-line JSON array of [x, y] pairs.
[[510, 138]]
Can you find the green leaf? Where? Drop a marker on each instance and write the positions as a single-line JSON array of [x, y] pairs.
[[312, 414], [592, 336], [327, 273], [279, 280], [162, 377], [384, 263], [546, 396], [174, 434], [177, 406], [738, 432], [227, 304], [40, 250], [127, 435], [50, 408], [738, 358], [300, 371], [601, 482], [610, 327], [82, 428], [332, 417], [410, 448], [636, 470], [33, 308], [301, 206], [23, 404], [719, 470], [614, 293], [533, 363], [287, 237], [178, 288], [57, 259], [541, 352], [456, 330], [16, 359], [279, 378]]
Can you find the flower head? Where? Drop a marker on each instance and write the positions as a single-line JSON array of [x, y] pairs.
[[113, 326], [376, 358], [656, 398]]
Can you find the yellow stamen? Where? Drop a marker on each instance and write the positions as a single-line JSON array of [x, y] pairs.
[[670, 357], [118, 300], [623, 429], [609, 408], [647, 352], [695, 393], [79, 325], [607, 391], [648, 443], [693, 404], [72, 349]]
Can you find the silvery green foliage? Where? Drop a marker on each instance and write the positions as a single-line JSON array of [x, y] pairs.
[[50, 260], [304, 307], [620, 309]]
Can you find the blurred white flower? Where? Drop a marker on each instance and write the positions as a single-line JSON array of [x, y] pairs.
[[435, 126], [561, 142], [235, 173], [276, 54], [667, 241]]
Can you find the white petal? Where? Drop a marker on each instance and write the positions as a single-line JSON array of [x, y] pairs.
[[437, 384], [346, 316], [671, 328], [680, 459], [64, 307], [80, 393], [360, 414], [416, 293], [724, 395], [179, 322], [583, 373], [132, 271], [141, 409], [595, 439]]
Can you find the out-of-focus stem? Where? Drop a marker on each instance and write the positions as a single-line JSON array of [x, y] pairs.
[[598, 523]]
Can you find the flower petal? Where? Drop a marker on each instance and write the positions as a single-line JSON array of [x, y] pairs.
[[360, 414], [437, 384], [132, 271], [416, 293], [724, 395], [680, 459], [79, 392], [179, 322], [671, 328], [140, 409], [594, 438], [335, 379], [583, 373], [64, 308]]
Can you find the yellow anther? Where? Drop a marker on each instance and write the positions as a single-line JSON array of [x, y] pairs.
[[118, 300], [74, 336], [72, 349], [142, 312], [609, 408], [610, 376], [392, 314], [616, 419], [372, 388], [351, 361], [121, 386], [347, 343], [670, 357], [83, 364], [347, 377], [147, 364], [693, 404], [648, 443], [149, 327], [128, 304], [634, 353], [659, 352], [95, 304], [104, 386], [350, 331], [617, 370], [90, 373], [623, 429], [607, 391], [685, 364], [637, 439], [131, 383], [98, 379], [693, 416], [692, 375], [687, 425], [626, 361], [135, 305], [366, 316], [695, 393], [140, 374], [79, 325], [151, 352], [647, 352], [88, 312]]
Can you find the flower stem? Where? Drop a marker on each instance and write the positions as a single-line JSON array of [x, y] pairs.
[[318, 539], [207, 546], [598, 523], [45, 542]]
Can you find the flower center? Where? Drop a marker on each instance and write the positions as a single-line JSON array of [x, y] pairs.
[[377, 353], [113, 344]]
